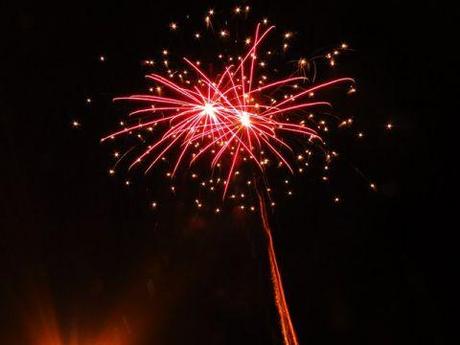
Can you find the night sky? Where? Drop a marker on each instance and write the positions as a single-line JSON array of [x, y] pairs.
[[84, 257]]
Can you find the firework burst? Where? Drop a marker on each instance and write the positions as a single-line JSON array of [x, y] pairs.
[[238, 116]]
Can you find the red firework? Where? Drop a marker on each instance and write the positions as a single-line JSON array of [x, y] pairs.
[[229, 118], [238, 115]]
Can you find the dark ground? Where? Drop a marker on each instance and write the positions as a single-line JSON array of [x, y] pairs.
[[376, 269]]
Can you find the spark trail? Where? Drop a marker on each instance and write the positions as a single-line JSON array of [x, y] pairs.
[[287, 328]]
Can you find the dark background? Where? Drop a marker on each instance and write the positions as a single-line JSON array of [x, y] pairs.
[[82, 256]]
